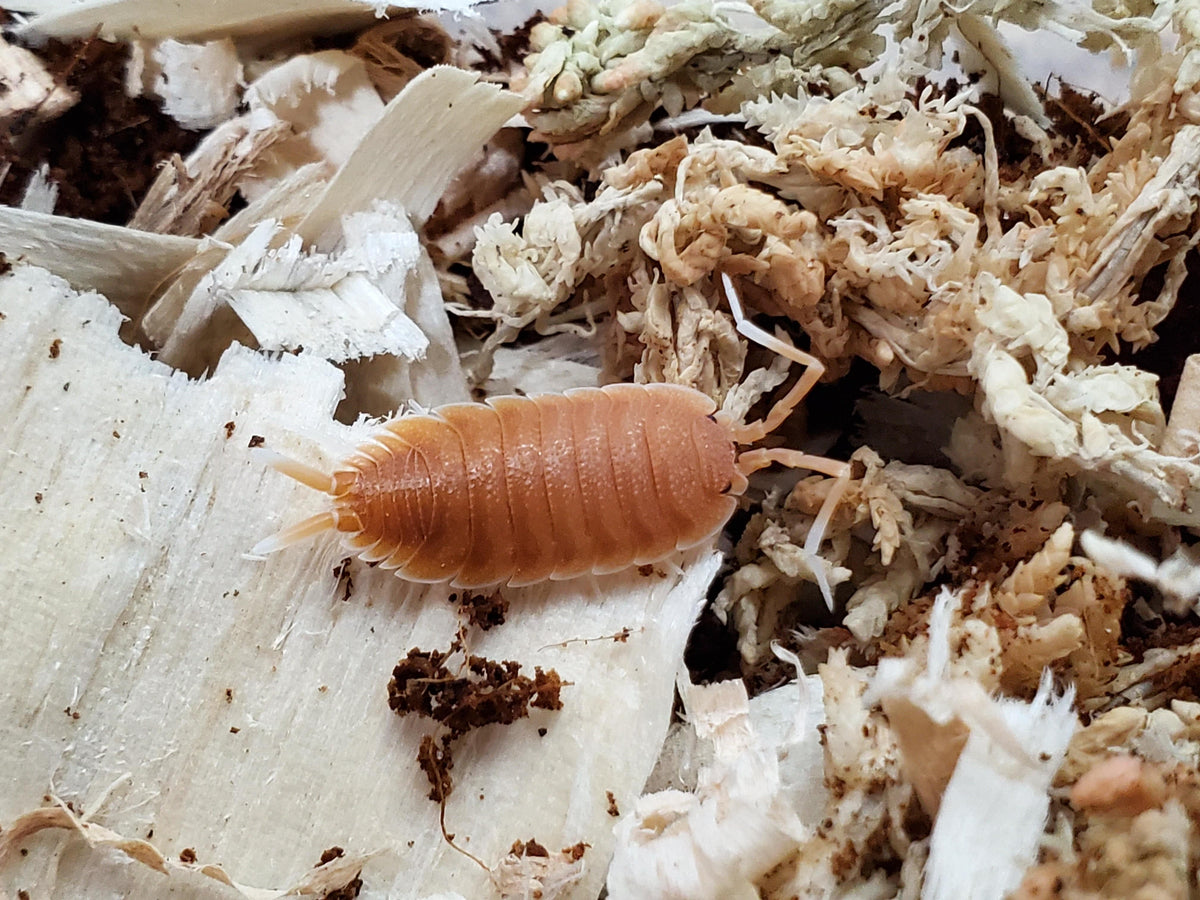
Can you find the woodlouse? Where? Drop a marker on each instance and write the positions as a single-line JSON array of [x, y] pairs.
[[518, 490]]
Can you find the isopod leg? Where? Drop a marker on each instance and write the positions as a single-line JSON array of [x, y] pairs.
[[756, 431], [753, 460]]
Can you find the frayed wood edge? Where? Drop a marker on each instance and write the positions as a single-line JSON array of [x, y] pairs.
[[187, 196], [320, 881], [427, 134]]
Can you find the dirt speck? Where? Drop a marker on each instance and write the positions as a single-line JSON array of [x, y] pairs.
[[484, 611], [341, 573], [613, 810], [328, 856]]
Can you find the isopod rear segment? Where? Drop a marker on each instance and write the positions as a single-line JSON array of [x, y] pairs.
[[518, 490]]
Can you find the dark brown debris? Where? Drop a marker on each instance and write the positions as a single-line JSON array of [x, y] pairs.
[[341, 573], [1081, 117], [528, 848], [349, 892], [475, 692], [397, 50], [533, 849], [103, 152], [484, 611], [328, 856], [482, 692]]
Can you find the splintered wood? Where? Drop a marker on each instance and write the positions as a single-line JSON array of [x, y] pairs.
[[172, 690]]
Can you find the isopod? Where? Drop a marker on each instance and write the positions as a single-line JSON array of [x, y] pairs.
[[518, 490]]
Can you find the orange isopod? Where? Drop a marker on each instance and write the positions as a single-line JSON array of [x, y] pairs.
[[518, 490]]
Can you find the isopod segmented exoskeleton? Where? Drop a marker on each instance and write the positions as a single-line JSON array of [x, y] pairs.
[[518, 490]]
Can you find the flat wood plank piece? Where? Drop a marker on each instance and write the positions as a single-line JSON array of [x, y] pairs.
[[179, 692]]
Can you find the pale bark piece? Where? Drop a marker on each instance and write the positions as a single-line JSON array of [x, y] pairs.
[[124, 265], [178, 693], [327, 101], [749, 809], [286, 202], [155, 19], [423, 139], [426, 135], [158, 19], [26, 86], [1182, 437], [377, 385], [199, 83], [41, 193], [190, 197], [1001, 755], [342, 305]]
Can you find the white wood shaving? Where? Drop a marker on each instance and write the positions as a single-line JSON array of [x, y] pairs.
[[124, 265], [244, 699], [26, 86]]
